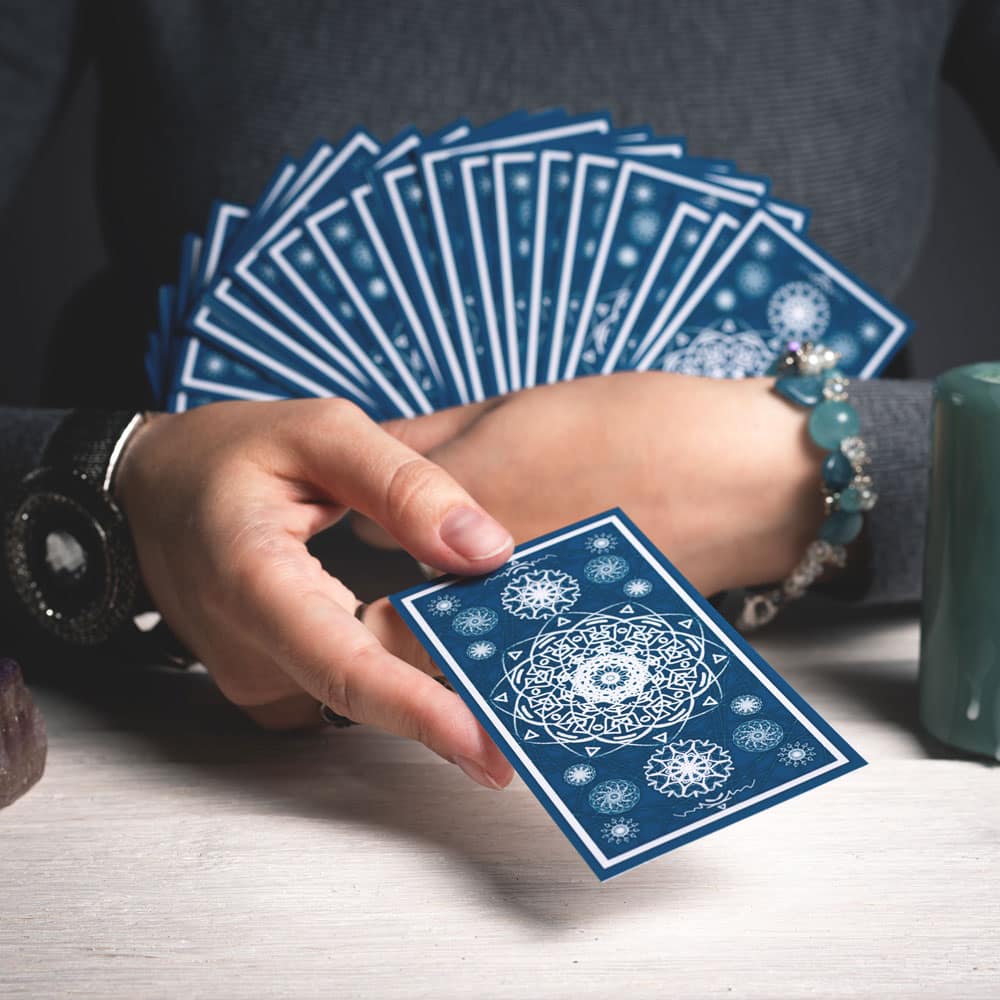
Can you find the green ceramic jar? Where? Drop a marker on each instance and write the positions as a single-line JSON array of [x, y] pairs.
[[960, 628]]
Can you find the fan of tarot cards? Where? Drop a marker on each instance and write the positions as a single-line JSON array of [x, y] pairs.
[[443, 269]]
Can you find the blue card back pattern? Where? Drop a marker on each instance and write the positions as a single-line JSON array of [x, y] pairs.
[[635, 714]]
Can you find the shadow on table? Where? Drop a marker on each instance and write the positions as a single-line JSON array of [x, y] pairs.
[[375, 782], [886, 689]]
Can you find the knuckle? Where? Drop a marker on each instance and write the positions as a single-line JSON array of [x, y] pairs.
[[410, 485]]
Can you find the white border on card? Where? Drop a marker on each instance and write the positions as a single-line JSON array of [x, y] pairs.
[[547, 158], [360, 196], [839, 759], [393, 179], [517, 380], [191, 381], [475, 227], [719, 223], [684, 213], [897, 326]]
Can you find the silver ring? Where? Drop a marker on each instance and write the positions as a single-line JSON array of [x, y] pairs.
[[327, 714]]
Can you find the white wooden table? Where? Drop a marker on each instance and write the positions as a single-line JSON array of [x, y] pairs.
[[170, 850]]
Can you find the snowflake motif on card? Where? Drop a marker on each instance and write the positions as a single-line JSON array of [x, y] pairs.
[[797, 754], [645, 226], [746, 704], [594, 682], [627, 256], [620, 831], [754, 279], [579, 775], [305, 257], [485, 184], [869, 331], [725, 299], [361, 254], [346, 310], [523, 246], [798, 309], [215, 366], [606, 569], [845, 346], [758, 735], [643, 193], [614, 796], [764, 247], [475, 621], [600, 543], [518, 565], [688, 768], [444, 604], [637, 588], [540, 593], [601, 184], [720, 352], [414, 194], [481, 649], [520, 181], [690, 237], [341, 232], [377, 288], [589, 248], [562, 178]]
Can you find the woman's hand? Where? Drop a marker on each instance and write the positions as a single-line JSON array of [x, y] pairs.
[[721, 474], [221, 501]]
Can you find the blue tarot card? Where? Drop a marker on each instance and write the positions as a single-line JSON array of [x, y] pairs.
[[641, 206], [520, 241], [768, 287], [635, 714], [555, 183]]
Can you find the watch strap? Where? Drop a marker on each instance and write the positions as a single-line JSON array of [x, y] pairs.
[[87, 442]]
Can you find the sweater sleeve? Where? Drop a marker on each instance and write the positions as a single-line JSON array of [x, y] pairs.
[[895, 424]]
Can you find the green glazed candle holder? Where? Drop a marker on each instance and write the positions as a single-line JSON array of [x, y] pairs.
[[960, 627]]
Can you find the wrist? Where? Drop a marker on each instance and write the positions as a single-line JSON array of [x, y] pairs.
[[780, 506]]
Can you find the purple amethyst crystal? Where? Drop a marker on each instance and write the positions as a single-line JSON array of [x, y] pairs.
[[22, 736]]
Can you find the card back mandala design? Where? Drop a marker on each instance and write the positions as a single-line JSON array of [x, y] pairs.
[[633, 712], [621, 676]]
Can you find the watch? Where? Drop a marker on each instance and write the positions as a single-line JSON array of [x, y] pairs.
[[68, 547]]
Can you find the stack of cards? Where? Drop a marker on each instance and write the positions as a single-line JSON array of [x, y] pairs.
[[444, 269], [635, 714]]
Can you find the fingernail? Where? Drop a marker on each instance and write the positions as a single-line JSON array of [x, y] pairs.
[[478, 774], [473, 534]]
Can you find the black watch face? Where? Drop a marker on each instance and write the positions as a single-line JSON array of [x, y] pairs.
[[65, 552], [69, 557]]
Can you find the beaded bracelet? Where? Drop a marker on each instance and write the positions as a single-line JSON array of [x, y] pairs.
[[808, 376]]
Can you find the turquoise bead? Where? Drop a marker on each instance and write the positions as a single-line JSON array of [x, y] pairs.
[[805, 390], [831, 422], [850, 500], [841, 527], [837, 470]]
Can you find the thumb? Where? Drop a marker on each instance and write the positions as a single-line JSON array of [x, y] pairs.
[[363, 467]]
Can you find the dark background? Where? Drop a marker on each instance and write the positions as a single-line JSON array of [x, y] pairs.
[[50, 242]]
